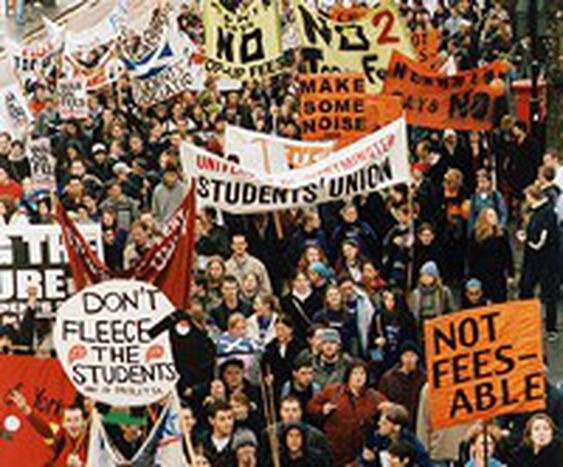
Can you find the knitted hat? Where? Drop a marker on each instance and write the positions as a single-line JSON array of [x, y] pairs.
[[473, 284], [243, 438], [430, 268], [331, 335], [320, 269], [409, 346]]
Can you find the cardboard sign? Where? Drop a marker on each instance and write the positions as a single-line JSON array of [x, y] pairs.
[[485, 362], [35, 62], [464, 101], [332, 105], [73, 99], [362, 45], [264, 153], [14, 113], [47, 390], [243, 42], [108, 69], [426, 42], [375, 162], [36, 254], [336, 106], [42, 164], [101, 337]]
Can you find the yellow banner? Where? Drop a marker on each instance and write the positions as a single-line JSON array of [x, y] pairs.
[[362, 45], [243, 42]]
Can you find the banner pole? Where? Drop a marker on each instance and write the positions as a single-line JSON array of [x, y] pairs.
[[486, 442]]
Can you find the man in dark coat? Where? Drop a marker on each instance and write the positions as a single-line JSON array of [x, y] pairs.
[[402, 383], [192, 349], [541, 255]]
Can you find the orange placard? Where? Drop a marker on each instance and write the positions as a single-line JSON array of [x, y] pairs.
[[426, 42], [332, 105], [380, 111], [485, 362], [464, 101], [337, 107]]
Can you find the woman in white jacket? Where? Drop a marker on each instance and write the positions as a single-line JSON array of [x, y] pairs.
[[261, 325]]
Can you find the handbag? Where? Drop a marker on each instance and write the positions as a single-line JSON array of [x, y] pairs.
[[377, 355]]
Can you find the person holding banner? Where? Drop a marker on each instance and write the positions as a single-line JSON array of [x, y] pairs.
[[69, 443]]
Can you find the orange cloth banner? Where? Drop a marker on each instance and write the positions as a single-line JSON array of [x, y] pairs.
[[337, 107], [426, 42], [464, 101], [47, 390], [485, 362]]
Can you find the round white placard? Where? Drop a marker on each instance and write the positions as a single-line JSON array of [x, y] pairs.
[[102, 340]]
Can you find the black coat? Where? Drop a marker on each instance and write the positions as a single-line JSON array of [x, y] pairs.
[[543, 218], [301, 312], [280, 367], [491, 262], [550, 456], [194, 353]]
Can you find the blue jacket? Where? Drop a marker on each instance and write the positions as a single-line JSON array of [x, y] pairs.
[[378, 443]]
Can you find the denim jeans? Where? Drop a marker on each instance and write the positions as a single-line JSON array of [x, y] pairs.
[[20, 12]]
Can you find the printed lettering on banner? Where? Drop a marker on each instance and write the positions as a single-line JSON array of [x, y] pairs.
[[372, 163], [42, 164], [336, 106], [107, 69], [36, 254], [268, 154], [426, 42], [464, 101], [361, 45], [243, 42], [485, 362], [14, 113], [35, 62], [102, 339], [73, 99]]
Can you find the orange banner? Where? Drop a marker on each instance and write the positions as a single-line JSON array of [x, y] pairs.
[[464, 101], [337, 107], [485, 362], [426, 42]]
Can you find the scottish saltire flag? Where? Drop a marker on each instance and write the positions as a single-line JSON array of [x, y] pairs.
[[162, 447], [153, 63]]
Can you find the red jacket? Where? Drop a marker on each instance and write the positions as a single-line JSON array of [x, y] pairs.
[[12, 189], [404, 389], [62, 445], [347, 426]]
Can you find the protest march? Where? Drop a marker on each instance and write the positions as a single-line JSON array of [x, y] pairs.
[[268, 233]]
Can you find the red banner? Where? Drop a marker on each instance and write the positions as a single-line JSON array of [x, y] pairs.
[[47, 390], [167, 264]]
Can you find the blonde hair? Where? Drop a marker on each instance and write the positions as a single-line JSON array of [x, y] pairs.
[[484, 230], [234, 319]]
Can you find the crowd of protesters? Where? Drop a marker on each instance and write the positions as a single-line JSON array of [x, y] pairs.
[[319, 308]]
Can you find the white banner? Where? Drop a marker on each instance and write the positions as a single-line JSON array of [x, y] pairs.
[[36, 254], [42, 164], [264, 153], [73, 99], [14, 113], [102, 32], [377, 161], [103, 343], [35, 62]]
